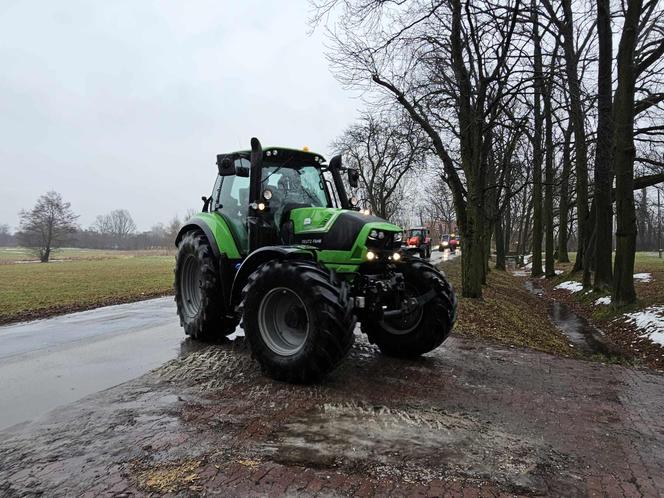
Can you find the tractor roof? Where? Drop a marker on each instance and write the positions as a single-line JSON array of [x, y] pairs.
[[271, 153]]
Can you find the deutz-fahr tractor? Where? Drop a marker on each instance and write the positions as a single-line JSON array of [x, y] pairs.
[[281, 246]]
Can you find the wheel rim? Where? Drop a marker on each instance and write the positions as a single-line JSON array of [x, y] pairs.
[[283, 321], [408, 321], [190, 285]]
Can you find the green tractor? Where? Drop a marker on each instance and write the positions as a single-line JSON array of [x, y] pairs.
[[281, 246]]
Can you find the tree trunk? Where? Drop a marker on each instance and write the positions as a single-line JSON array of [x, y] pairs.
[[563, 256], [642, 221], [623, 283], [603, 155], [550, 270], [578, 122], [507, 229], [499, 235], [472, 256], [488, 233], [536, 270], [470, 115]]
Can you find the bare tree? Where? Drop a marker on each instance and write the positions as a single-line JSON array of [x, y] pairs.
[[122, 224], [6, 237], [538, 78], [173, 227], [603, 279], [47, 225], [116, 227], [623, 288], [449, 66], [565, 24], [385, 149]]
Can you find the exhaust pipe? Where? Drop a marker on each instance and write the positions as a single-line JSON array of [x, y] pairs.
[[255, 179], [335, 169]]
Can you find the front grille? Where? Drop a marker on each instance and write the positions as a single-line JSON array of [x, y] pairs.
[[386, 243]]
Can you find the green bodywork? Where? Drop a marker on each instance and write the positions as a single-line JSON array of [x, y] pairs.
[[320, 220], [314, 220], [220, 231]]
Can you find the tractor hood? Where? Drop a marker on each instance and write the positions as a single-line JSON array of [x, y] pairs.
[[338, 229]]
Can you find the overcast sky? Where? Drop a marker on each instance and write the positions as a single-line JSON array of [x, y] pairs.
[[125, 104]]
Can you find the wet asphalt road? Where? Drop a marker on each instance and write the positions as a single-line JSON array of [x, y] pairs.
[[49, 363], [52, 362]]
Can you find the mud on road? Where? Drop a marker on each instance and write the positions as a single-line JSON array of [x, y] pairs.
[[470, 418]]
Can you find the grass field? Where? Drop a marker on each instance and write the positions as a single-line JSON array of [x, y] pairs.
[[83, 280], [10, 255]]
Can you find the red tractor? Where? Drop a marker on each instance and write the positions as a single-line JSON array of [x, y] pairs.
[[418, 241]]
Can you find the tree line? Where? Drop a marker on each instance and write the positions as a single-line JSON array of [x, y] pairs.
[[537, 128], [52, 224]]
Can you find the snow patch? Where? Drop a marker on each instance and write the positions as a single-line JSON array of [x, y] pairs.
[[603, 300], [650, 323], [521, 273], [559, 272], [570, 285], [643, 277]]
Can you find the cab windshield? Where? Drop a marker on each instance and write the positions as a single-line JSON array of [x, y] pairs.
[[300, 184]]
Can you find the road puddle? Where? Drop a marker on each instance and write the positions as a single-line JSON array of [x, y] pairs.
[[581, 334], [414, 444]]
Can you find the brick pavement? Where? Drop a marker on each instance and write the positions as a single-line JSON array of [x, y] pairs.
[[471, 419]]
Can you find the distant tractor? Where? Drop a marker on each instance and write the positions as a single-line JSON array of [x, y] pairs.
[[444, 242], [283, 248], [418, 242], [449, 242]]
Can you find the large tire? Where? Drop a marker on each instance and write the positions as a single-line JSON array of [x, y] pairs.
[[429, 325], [298, 320], [198, 294]]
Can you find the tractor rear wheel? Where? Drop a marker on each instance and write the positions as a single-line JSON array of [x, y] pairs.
[[298, 320], [198, 294], [425, 327]]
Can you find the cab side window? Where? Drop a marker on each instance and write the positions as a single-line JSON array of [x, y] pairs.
[[215, 194], [233, 203]]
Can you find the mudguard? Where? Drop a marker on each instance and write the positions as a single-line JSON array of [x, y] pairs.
[[217, 232], [263, 255]]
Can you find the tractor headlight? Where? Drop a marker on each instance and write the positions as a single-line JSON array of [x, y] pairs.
[[445, 243], [376, 234], [396, 256], [354, 201], [267, 194], [371, 255]]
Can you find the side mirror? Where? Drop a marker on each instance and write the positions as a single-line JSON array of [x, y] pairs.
[[225, 165], [353, 178]]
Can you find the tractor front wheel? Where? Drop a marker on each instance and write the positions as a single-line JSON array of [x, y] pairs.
[[198, 295], [298, 320], [426, 326]]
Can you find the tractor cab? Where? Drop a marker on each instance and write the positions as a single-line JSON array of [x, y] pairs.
[[257, 192]]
